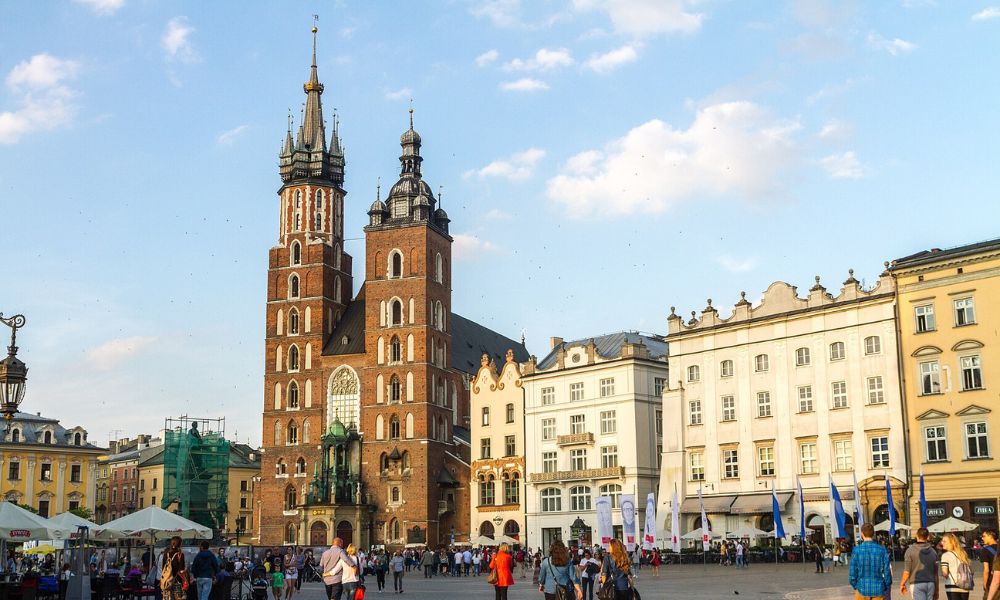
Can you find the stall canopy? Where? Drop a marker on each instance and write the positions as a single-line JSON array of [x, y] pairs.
[[757, 504], [156, 523], [696, 535], [73, 522], [713, 504], [19, 525], [951, 524], [748, 532], [884, 526], [483, 540]]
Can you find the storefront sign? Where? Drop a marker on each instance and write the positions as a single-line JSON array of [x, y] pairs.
[[958, 512], [984, 510], [935, 512]]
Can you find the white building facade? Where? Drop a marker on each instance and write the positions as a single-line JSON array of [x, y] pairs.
[[793, 389], [593, 427]]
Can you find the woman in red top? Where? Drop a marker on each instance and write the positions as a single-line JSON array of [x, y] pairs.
[[503, 564]]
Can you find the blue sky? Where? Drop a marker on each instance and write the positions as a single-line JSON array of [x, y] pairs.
[[601, 161]]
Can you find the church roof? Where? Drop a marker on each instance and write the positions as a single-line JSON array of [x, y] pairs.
[[470, 341], [350, 329]]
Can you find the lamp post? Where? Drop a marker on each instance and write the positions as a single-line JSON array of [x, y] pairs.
[[13, 372]]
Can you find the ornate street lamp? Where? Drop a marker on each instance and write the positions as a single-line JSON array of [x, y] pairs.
[[13, 372]]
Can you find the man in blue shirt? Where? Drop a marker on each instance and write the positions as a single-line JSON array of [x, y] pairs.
[[204, 569], [870, 574]]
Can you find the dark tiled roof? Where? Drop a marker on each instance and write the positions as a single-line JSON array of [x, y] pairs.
[[462, 433], [610, 346], [32, 429], [470, 341], [351, 326], [151, 456], [937, 254]]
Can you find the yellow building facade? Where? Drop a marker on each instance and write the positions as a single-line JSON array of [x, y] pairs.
[[47, 466], [948, 318]]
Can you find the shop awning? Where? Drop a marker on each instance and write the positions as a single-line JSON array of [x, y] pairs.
[[713, 504], [752, 504], [824, 495]]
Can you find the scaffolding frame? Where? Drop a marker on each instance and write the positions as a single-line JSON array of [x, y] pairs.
[[196, 469]]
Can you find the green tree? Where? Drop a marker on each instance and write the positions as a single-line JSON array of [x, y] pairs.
[[28, 508], [83, 512]]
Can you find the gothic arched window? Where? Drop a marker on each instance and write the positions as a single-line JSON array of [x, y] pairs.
[[343, 399], [395, 389], [292, 434], [293, 395], [438, 269], [397, 313], [290, 499], [300, 466], [395, 351], [296, 253], [396, 264], [394, 428], [293, 286], [293, 358], [383, 462], [293, 322]]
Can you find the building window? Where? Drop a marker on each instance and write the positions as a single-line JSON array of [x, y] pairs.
[[697, 462], [613, 491], [873, 345], [292, 434], [45, 473], [694, 373], [694, 412], [578, 459], [15, 436], [551, 500], [394, 428], [293, 395], [290, 499], [394, 496], [550, 534], [300, 466], [43, 509], [487, 491], [726, 368], [807, 458], [484, 448], [511, 488], [396, 264], [965, 312], [293, 322], [839, 389], [76, 473], [805, 398], [293, 286], [728, 408], [293, 358], [976, 441], [577, 424], [548, 429], [549, 462], [395, 389], [486, 416], [876, 395], [765, 461], [658, 425], [579, 497], [763, 404], [548, 396], [837, 351], [609, 422], [925, 318], [396, 313], [843, 455], [609, 457], [47, 438], [802, 357], [395, 351], [972, 373], [880, 452], [280, 468], [510, 413], [937, 443], [296, 253], [576, 391], [607, 387], [730, 464], [930, 378], [509, 446], [760, 363], [659, 383]]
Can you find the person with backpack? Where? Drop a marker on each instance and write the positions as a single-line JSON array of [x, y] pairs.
[[558, 578], [920, 568], [173, 577], [618, 570], [956, 569], [987, 554]]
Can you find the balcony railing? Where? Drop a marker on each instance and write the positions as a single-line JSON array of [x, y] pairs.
[[574, 439], [580, 474]]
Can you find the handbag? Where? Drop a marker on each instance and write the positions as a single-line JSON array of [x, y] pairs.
[[492, 577], [607, 590], [359, 594], [563, 592]]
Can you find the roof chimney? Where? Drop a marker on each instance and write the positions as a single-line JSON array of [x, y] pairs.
[[554, 342]]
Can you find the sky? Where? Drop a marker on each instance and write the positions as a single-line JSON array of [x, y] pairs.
[[601, 161]]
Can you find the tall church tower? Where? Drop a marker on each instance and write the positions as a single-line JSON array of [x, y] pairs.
[[308, 287], [409, 342]]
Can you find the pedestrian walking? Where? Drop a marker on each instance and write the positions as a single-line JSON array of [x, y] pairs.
[[381, 566], [348, 569], [955, 569], [618, 569], [920, 568], [987, 554], [427, 562], [503, 567], [396, 565], [204, 567], [327, 562], [655, 560], [870, 576], [818, 557], [827, 557], [291, 575], [173, 577], [589, 570], [559, 571]]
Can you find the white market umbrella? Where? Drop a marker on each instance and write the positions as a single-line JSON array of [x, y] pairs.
[[697, 535], [951, 524], [749, 532], [18, 525], [503, 539], [884, 526], [155, 523], [73, 523], [483, 540]]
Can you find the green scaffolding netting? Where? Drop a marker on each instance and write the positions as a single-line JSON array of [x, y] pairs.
[[196, 475]]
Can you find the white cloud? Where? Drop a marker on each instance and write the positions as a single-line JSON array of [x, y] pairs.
[[487, 57], [400, 94], [517, 167], [497, 215], [843, 166], [736, 265], [609, 61], [112, 353], [734, 149], [45, 102], [102, 7], [544, 60], [503, 13], [646, 17], [836, 131], [895, 46], [988, 13], [177, 40], [525, 84], [228, 137], [469, 247]]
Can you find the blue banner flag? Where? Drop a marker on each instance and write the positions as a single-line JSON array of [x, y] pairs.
[[923, 501], [892, 507], [838, 518], [779, 527], [802, 513]]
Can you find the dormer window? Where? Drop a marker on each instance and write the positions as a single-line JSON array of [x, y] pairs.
[[15, 435], [77, 439], [47, 437]]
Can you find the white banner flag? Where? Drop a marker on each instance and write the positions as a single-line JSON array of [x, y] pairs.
[[605, 531], [649, 529], [628, 521], [675, 523], [706, 529]]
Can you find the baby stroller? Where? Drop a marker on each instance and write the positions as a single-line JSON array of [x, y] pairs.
[[259, 583]]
